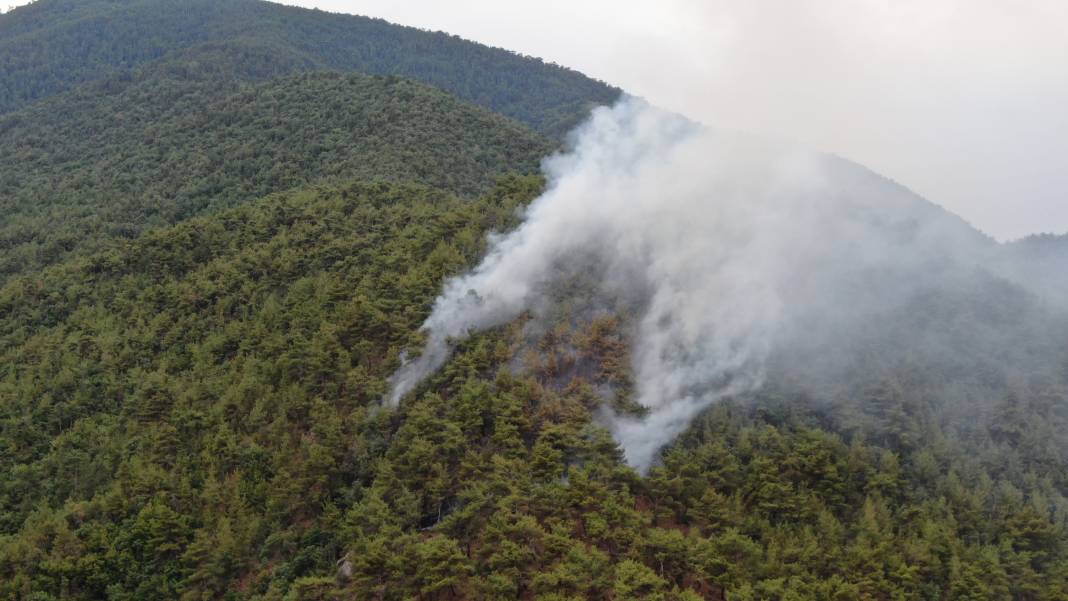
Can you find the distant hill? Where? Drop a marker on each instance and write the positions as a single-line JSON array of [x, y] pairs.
[[205, 129], [53, 45], [1039, 262]]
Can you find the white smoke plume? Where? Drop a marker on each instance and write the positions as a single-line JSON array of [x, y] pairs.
[[734, 244]]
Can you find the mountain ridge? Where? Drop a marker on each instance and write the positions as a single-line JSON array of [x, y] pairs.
[[225, 122], [90, 45]]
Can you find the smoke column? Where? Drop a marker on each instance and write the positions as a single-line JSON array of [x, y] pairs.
[[731, 242]]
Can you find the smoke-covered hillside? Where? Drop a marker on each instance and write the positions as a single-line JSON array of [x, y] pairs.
[[272, 331], [1039, 262], [732, 254]]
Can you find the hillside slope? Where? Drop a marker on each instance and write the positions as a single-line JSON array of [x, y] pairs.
[[251, 330], [196, 413], [205, 129], [52, 45]]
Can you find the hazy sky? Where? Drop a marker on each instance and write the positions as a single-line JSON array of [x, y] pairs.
[[964, 101]]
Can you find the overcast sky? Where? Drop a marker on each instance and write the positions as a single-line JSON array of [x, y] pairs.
[[964, 101]]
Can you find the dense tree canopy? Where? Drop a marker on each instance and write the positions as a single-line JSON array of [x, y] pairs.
[[53, 45], [196, 413], [192, 134]]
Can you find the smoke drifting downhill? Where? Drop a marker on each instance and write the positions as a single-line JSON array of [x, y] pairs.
[[731, 247]]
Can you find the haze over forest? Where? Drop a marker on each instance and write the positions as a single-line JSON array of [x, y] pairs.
[[959, 101]]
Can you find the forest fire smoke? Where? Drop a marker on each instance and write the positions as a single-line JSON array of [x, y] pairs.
[[732, 242]]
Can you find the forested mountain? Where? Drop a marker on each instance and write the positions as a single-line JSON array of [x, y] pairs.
[[196, 413], [1039, 262], [53, 45], [221, 226], [200, 131]]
